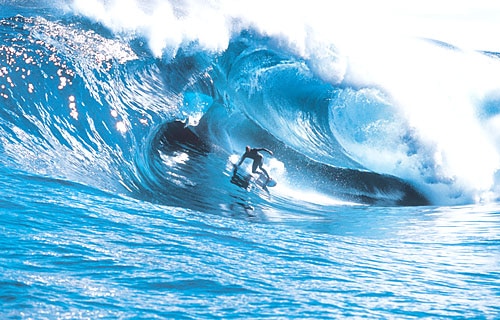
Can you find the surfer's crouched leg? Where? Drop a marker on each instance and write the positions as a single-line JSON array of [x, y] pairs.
[[267, 174]]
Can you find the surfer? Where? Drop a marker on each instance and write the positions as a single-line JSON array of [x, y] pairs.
[[257, 157]]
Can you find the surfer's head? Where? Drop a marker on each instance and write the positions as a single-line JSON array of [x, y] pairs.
[[248, 148]]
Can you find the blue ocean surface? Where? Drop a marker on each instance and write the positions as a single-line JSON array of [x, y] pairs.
[[121, 122]]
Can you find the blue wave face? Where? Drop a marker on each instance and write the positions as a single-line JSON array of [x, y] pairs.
[[55, 116], [81, 103]]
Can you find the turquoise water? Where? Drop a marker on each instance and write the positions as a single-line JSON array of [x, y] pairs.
[[116, 197], [72, 251]]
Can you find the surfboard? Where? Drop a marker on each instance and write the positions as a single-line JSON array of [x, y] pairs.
[[262, 180], [272, 183], [243, 178]]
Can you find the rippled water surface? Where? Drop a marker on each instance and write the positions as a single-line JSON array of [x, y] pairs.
[[73, 251]]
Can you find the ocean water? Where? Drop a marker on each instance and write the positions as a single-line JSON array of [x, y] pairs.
[[120, 123]]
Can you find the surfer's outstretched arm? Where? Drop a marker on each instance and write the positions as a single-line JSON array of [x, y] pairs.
[[266, 150], [243, 157]]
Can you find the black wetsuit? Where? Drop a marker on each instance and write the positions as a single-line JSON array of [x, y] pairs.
[[257, 159]]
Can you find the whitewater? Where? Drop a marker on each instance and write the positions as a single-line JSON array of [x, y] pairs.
[[120, 123]]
